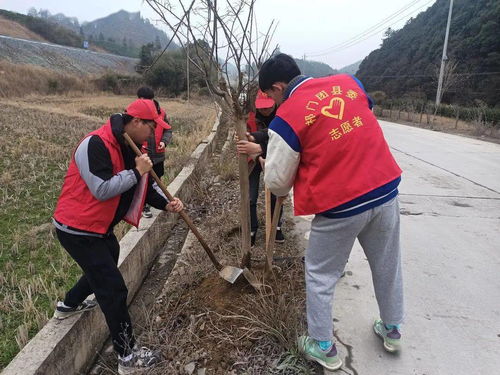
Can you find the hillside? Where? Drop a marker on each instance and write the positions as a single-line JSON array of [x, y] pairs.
[[315, 68], [409, 58], [63, 59], [128, 31], [16, 30], [121, 33], [351, 69], [45, 29]]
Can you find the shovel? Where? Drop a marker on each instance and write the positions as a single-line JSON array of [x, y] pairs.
[[268, 213], [270, 242], [228, 273]]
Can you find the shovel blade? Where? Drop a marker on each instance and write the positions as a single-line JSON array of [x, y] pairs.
[[252, 279], [230, 273]]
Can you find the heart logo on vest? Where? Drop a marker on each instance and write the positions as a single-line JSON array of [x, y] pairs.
[[335, 109]]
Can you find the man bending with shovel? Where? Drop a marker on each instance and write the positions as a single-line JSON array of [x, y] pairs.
[[327, 144], [106, 183]]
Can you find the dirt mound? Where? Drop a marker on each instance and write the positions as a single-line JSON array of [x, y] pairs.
[[202, 323]]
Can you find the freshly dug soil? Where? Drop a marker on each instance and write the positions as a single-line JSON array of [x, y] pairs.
[[199, 322]]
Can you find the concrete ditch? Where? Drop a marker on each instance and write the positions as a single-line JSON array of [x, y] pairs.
[[70, 346]]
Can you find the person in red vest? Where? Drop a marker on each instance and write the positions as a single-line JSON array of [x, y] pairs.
[[156, 144], [256, 146], [326, 143], [106, 183]]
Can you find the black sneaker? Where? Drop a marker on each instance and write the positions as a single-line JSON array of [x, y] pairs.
[[253, 235], [146, 212], [140, 359], [279, 236], [63, 312]]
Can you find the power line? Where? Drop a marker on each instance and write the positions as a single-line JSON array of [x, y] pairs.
[[428, 75], [370, 29], [373, 30], [380, 29]]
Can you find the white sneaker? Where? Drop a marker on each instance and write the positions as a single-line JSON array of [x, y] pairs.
[[140, 359]]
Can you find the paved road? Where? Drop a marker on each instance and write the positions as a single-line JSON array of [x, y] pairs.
[[450, 206]]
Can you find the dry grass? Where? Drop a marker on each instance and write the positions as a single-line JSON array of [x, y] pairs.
[[37, 137], [16, 30], [21, 80], [201, 319], [441, 123]]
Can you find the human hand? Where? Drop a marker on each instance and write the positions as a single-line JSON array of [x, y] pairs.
[[262, 162], [143, 164], [175, 205], [161, 145], [249, 136], [249, 148]]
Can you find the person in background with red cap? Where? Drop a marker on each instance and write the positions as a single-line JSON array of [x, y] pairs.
[[256, 147], [156, 144], [106, 183]]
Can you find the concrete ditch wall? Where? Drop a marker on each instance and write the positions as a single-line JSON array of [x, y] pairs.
[[70, 346]]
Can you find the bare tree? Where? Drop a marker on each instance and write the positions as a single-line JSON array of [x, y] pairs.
[[225, 45], [223, 38], [450, 79]]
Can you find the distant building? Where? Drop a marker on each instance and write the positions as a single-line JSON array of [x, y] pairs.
[[86, 44]]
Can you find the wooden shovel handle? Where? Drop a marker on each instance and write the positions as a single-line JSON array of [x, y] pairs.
[[270, 243], [183, 214], [269, 218]]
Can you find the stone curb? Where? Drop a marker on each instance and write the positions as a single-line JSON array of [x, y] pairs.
[[70, 346]]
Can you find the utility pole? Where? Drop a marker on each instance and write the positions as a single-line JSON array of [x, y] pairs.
[[444, 58], [187, 60]]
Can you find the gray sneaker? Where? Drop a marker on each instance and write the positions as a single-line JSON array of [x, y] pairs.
[[309, 347], [63, 312], [391, 337], [141, 359]]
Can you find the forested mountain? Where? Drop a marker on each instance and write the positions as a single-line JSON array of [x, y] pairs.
[[122, 33], [408, 60], [129, 30], [314, 68]]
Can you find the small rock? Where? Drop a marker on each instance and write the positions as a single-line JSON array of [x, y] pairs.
[[158, 319], [190, 367]]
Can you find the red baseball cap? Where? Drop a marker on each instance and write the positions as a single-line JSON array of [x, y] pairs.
[[263, 100], [145, 109]]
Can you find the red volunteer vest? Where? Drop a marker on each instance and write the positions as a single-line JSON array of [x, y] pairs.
[[158, 134], [251, 122], [344, 154], [78, 208]]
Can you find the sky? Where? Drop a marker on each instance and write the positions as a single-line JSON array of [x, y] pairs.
[[336, 32]]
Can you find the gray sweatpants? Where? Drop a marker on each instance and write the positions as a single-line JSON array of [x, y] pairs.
[[331, 242]]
